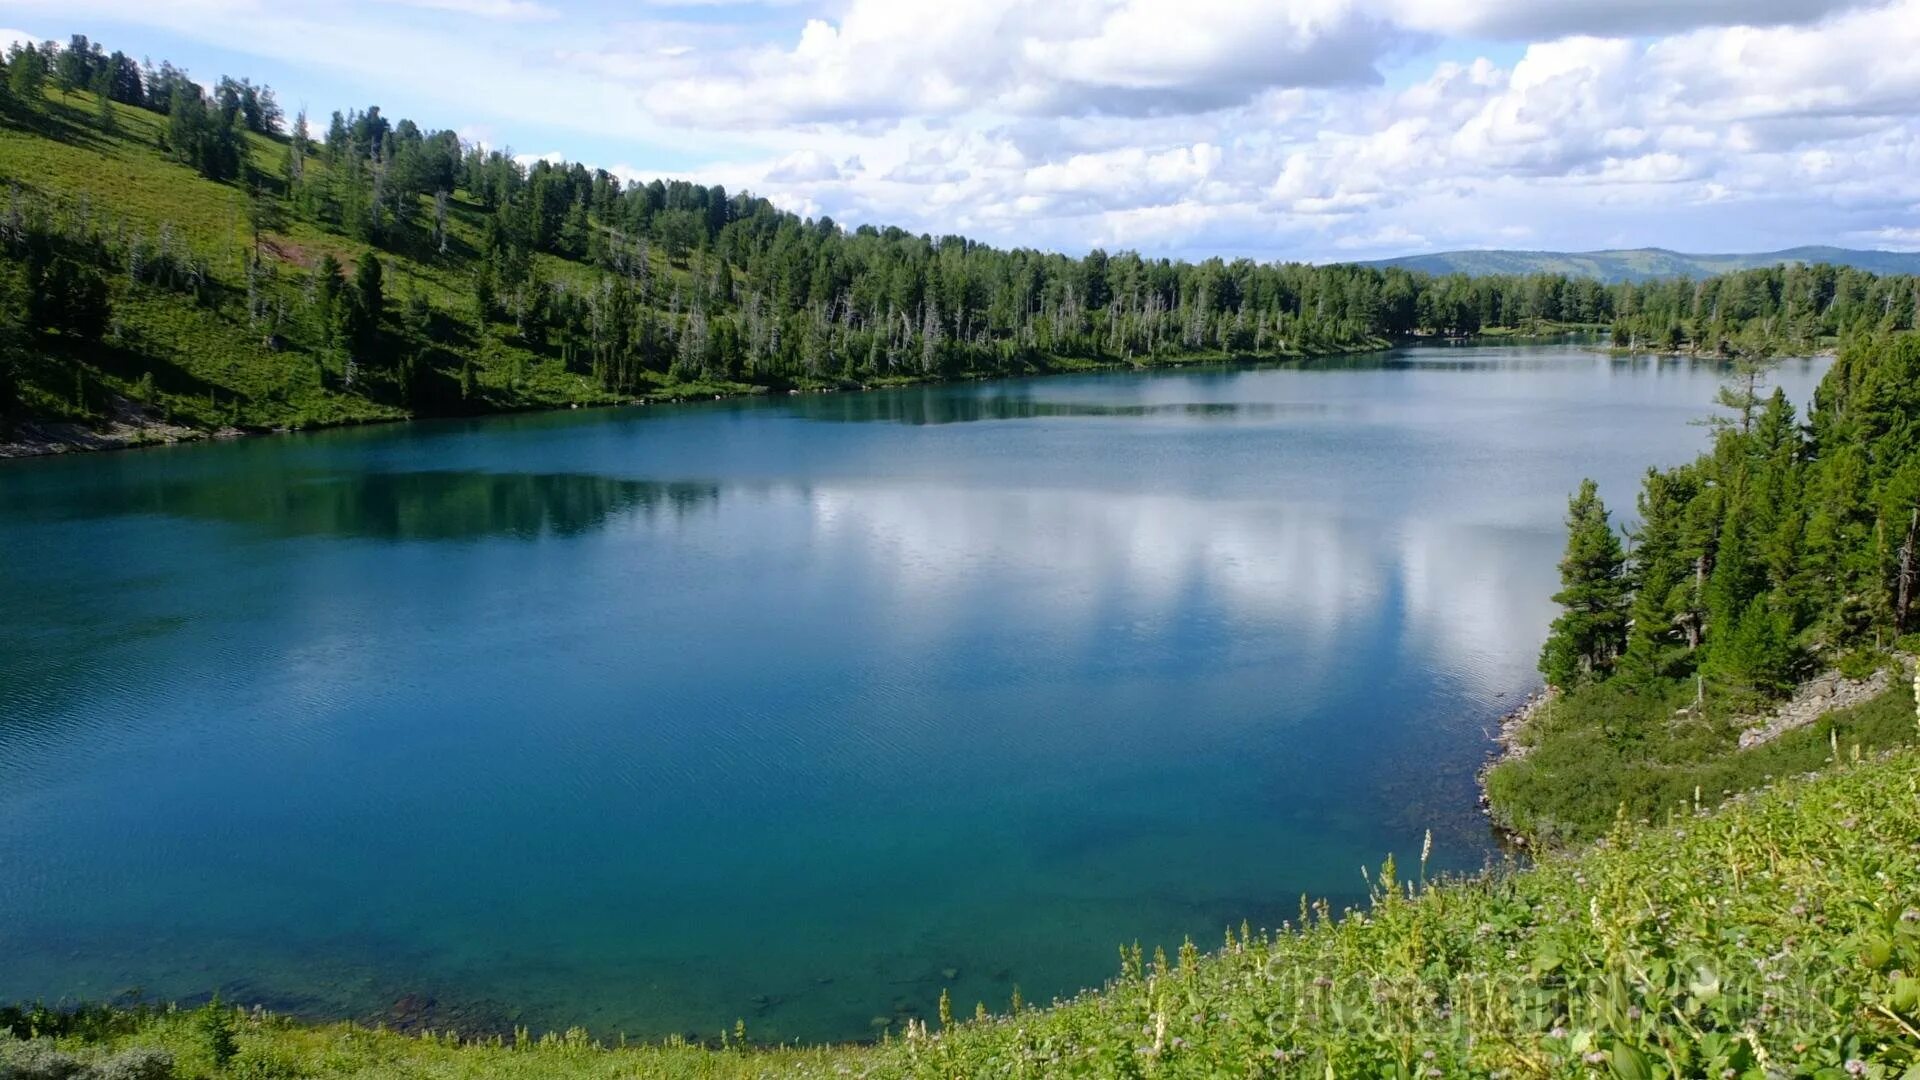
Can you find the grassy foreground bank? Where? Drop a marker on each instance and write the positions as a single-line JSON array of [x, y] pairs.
[[1777, 936]]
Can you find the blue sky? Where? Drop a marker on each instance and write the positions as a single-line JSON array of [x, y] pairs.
[[1311, 129]]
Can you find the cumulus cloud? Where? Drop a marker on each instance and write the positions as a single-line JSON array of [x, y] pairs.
[[1309, 128], [1543, 19], [894, 58], [510, 10], [804, 167], [1897, 238], [887, 58]]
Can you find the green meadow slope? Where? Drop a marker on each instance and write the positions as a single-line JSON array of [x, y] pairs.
[[193, 356]]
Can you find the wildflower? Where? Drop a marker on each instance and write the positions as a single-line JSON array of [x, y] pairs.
[[1558, 1032], [1594, 1057], [1856, 1067]]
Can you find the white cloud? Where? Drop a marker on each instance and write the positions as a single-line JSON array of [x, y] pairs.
[[1897, 238], [1306, 128], [1391, 238], [890, 59], [1541, 19], [510, 10], [804, 167]]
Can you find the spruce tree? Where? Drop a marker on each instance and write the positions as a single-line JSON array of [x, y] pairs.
[[1590, 633]]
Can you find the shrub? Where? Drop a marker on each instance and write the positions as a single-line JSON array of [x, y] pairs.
[[135, 1063], [35, 1060], [214, 1022]]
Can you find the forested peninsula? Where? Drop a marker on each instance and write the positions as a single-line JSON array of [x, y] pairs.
[[175, 262], [1788, 551]]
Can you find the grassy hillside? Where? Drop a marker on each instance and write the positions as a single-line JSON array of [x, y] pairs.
[[1646, 264], [197, 357], [1779, 936]]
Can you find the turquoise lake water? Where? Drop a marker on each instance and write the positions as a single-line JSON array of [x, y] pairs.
[[792, 710]]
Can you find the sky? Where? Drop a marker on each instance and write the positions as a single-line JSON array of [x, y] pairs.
[[1306, 129]]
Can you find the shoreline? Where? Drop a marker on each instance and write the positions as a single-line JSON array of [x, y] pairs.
[[130, 428], [1507, 747], [1631, 352], [1812, 699]]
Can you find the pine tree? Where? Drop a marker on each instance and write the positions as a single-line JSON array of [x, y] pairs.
[[1901, 509], [1662, 575], [26, 72], [103, 113], [1755, 654], [295, 167], [1590, 633], [73, 69], [365, 306]]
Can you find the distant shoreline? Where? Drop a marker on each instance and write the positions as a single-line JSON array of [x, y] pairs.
[[132, 429]]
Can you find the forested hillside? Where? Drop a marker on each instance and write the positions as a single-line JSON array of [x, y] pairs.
[[1788, 547], [170, 255]]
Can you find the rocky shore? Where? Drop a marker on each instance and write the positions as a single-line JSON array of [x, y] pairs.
[[1508, 747], [128, 427], [1813, 699]]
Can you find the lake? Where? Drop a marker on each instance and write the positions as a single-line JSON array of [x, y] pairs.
[[794, 710]]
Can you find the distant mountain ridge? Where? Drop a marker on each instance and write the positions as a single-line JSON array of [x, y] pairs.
[[1643, 264]]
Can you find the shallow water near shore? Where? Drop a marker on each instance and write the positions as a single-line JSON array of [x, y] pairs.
[[791, 710]]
